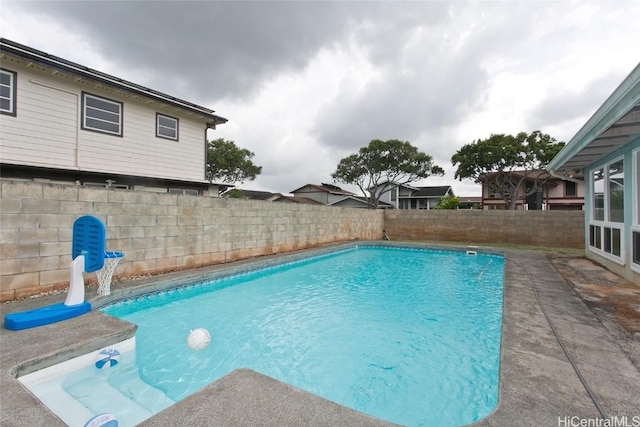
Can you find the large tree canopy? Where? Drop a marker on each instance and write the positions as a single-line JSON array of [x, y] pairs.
[[506, 162], [228, 163], [381, 164]]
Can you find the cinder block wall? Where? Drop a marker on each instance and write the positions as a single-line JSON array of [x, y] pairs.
[[164, 232], [158, 232], [556, 229]]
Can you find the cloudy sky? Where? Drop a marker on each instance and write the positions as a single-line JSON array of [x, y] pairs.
[[305, 84]]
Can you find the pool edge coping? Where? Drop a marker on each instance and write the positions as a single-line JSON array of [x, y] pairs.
[[491, 419]]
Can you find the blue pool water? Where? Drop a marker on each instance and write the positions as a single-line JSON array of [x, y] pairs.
[[407, 335], [411, 336]]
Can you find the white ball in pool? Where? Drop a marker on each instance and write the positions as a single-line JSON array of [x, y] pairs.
[[198, 339]]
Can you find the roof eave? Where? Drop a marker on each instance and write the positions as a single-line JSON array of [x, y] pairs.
[[621, 101], [26, 52]]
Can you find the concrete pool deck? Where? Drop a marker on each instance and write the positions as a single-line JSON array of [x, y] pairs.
[[539, 384]]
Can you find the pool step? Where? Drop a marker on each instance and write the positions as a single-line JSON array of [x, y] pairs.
[[133, 400]]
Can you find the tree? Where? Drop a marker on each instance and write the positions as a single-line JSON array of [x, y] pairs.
[[449, 202], [382, 165], [506, 162], [228, 163]]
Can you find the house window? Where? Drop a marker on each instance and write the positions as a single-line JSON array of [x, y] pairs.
[[607, 216], [598, 195], [570, 189], [166, 127], [101, 114], [616, 192], [635, 226], [183, 191], [394, 195], [8, 92]]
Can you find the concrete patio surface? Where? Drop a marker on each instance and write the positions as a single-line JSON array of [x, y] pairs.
[[562, 360]]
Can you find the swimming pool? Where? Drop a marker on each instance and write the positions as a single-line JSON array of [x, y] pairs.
[[407, 335]]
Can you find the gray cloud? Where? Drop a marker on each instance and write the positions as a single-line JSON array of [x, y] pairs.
[[436, 64], [565, 105], [223, 49]]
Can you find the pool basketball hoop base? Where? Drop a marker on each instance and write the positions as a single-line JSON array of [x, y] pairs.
[[88, 256]]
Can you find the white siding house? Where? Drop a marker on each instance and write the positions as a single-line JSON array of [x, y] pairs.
[[606, 151], [81, 124]]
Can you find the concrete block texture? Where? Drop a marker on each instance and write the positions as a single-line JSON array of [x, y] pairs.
[[559, 229], [165, 232]]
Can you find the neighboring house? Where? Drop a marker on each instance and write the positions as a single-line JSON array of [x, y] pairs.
[[281, 198], [554, 194], [331, 195], [326, 194], [250, 194], [358, 202], [272, 197], [63, 122], [606, 152], [403, 196], [470, 202]]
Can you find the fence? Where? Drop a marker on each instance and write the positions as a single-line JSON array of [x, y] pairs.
[[557, 229], [166, 232], [158, 232]]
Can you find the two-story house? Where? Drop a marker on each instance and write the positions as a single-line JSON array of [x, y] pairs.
[[404, 196], [63, 122], [553, 193]]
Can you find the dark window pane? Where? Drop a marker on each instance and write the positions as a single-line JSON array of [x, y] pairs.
[[100, 125], [102, 104], [103, 115], [615, 241], [636, 247], [5, 91], [607, 239], [616, 192], [5, 79], [5, 105], [166, 121]]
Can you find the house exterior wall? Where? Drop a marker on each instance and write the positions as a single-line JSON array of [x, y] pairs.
[[553, 197], [157, 232], [46, 130], [313, 193], [596, 228]]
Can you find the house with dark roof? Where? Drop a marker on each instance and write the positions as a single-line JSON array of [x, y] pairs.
[[606, 154], [268, 197], [404, 196], [332, 195], [325, 194], [63, 122]]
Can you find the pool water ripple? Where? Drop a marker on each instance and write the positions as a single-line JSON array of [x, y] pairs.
[[409, 336]]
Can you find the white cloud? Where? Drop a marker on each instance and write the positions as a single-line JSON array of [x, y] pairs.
[[304, 84]]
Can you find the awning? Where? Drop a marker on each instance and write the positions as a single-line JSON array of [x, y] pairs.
[[615, 124]]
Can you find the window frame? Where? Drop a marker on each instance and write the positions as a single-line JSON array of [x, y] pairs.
[[635, 199], [13, 92], [567, 183], [177, 128], [606, 237], [83, 124]]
